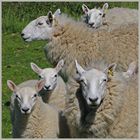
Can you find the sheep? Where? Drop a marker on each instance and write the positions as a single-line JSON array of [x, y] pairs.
[[103, 103], [54, 91], [69, 40], [32, 117], [109, 20]]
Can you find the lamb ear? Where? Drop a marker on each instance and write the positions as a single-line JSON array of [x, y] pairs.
[[79, 69], [105, 7], [40, 84], [85, 8], [50, 16], [12, 86], [35, 68], [132, 69], [60, 65], [110, 69], [57, 13]]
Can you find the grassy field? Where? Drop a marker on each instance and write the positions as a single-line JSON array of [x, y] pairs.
[[17, 55]]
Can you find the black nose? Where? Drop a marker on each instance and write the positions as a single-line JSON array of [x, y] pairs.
[[25, 109], [91, 24], [22, 34], [47, 87], [93, 100]]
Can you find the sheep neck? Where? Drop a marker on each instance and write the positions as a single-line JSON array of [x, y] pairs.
[[106, 114], [21, 120]]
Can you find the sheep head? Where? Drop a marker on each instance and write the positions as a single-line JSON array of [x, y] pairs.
[[49, 74], [40, 28], [93, 83], [25, 96], [94, 17]]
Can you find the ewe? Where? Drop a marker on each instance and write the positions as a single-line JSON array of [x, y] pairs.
[[103, 103], [111, 19], [70, 40], [54, 91], [31, 118]]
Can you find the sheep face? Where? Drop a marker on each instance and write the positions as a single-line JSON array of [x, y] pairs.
[[49, 74], [94, 17], [93, 84], [40, 28], [25, 96]]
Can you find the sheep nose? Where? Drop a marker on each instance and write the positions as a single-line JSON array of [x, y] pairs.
[[91, 24], [93, 100], [22, 34], [47, 87], [25, 109]]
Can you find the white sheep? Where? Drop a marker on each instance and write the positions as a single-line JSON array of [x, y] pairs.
[[31, 117], [103, 103], [54, 91], [109, 19], [70, 40]]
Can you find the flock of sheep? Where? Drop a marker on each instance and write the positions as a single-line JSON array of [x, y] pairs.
[[98, 55]]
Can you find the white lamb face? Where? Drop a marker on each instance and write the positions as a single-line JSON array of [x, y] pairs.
[[94, 17], [49, 74], [26, 96], [40, 28], [93, 83]]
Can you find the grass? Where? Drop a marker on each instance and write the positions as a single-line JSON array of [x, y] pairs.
[[17, 55]]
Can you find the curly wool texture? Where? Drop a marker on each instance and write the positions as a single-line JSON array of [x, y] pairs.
[[42, 122], [73, 40], [116, 117]]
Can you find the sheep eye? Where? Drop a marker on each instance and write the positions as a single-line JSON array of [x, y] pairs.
[[55, 75], [40, 23], [104, 80], [100, 14], [40, 77], [18, 97], [35, 95]]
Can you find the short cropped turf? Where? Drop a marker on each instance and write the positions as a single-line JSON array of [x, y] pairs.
[[17, 54]]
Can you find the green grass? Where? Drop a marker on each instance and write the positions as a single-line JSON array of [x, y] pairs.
[[17, 55]]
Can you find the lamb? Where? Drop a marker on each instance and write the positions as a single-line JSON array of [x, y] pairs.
[[31, 117], [70, 40], [54, 91], [103, 103], [111, 19]]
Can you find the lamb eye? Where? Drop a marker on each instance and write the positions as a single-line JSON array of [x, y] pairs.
[[55, 75], [35, 95], [17, 96], [100, 14], [40, 23], [104, 80], [40, 77]]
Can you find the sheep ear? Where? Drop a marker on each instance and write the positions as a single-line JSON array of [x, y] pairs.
[[35, 68], [85, 8], [110, 69], [79, 69], [105, 7], [57, 13], [60, 65], [50, 17], [12, 86], [132, 69], [40, 84]]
